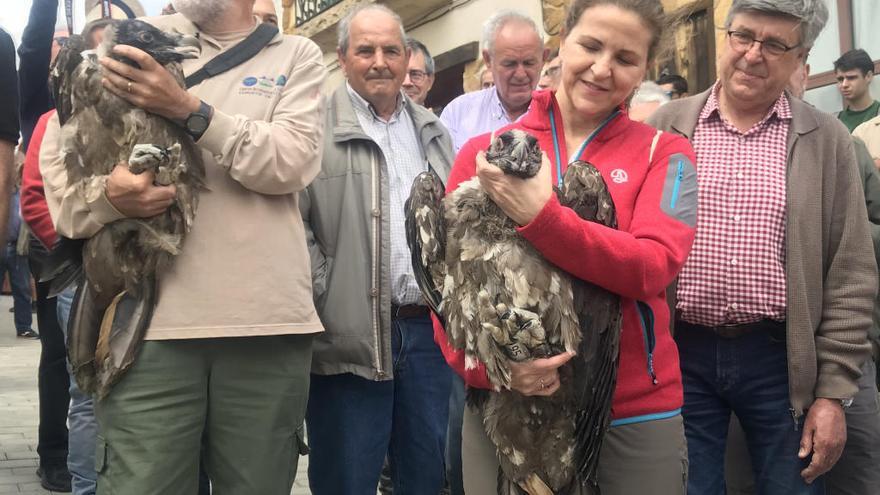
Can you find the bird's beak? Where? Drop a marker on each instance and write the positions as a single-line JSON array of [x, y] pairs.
[[189, 47]]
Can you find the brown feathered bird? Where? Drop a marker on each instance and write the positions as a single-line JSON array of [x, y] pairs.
[[121, 262], [502, 302]]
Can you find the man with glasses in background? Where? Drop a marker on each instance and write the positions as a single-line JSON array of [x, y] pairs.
[[419, 73], [775, 301], [551, 73]]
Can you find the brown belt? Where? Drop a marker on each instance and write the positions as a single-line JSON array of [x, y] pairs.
[[408, 311], [773, 327]]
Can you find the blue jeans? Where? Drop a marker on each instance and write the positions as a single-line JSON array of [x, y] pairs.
[[20, 285], [82, 426], [352, 422], [747, 375]]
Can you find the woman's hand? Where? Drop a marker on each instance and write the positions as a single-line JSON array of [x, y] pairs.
[[520, 199], [151, 87], [539, 376]]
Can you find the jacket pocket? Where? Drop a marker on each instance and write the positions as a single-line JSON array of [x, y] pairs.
[[646, 319]]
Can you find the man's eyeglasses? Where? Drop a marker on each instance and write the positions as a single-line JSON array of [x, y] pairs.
[[551, 71], [742, 42], [417, 76], [61, 40]]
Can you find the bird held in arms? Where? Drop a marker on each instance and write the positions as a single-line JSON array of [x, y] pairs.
[[502, 302], [121, 262]]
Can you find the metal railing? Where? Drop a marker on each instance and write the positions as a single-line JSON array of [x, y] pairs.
[[306, 10]]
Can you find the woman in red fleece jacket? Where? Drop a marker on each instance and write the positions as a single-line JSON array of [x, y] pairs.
[[606, 48]]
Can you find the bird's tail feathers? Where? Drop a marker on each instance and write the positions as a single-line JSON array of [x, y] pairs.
[[82, 336], [122, 332], [534, 485]]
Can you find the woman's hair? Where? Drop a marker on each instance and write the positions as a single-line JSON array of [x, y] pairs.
[[650, 11]]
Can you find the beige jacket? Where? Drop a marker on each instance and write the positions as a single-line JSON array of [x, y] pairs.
[[244, 269], [831, 274], [869, 132]]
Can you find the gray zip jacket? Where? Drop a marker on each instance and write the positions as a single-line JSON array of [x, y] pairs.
[[345, 212]]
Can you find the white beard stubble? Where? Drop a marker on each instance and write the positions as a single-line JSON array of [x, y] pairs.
[[201, 11]]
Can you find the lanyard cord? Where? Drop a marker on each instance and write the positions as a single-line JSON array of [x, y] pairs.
[[580, 150]]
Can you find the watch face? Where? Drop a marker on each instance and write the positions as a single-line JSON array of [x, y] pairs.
[[197, 123]]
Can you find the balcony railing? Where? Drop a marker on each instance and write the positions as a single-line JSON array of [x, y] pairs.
[[307, 10]]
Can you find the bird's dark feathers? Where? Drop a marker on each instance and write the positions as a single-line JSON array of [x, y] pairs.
[[121, 262], [425, 229], [503, 302], [163, 46]]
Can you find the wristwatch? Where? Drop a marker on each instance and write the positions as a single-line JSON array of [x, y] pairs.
[[844, 403], [197, 122]]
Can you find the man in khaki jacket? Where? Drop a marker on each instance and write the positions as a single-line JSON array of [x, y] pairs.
[[228, 350], [775, 300]]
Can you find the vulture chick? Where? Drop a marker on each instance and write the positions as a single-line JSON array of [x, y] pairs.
[[119, 264], [502, 302]]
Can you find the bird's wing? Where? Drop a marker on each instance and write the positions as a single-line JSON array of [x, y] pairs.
[[61, 75], [598, 310], [426, 236]]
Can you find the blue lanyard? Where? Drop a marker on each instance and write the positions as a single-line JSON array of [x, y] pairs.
[[580, 150]]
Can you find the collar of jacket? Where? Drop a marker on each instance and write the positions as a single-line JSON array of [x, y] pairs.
[[346, 126], [686, 113], [538, 117]]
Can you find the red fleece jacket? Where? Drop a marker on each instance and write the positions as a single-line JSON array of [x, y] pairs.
[[656, 210], [34, 209]]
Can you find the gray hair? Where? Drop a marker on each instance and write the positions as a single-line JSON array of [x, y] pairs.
[[500, 19], [343, 29], [650, 91], [417, 46], [812, 14]]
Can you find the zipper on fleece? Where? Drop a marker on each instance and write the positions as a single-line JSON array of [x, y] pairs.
[[377, 250], [679, 175], [646, 318]]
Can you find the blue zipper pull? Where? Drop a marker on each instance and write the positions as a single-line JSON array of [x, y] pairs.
[[679, 175]]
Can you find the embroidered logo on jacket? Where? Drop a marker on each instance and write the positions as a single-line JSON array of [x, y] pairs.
[[619, 176]]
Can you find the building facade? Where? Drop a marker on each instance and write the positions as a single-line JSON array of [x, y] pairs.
[[451, 29]]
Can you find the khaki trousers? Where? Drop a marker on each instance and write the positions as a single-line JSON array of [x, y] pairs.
[[647, 458], [238, 403]]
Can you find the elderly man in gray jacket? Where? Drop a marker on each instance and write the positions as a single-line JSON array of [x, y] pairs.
[[379, 382], [775, 300]]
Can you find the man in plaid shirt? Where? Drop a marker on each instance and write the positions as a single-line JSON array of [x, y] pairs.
[[775, 299]]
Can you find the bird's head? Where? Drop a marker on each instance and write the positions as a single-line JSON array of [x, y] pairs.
[[515, 152], [163, 46]]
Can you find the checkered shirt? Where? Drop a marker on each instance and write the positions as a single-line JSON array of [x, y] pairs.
[[404, 160], [736, 270]]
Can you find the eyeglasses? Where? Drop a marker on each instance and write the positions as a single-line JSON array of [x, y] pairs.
[[417, 76], [742, 42], [552, 71]]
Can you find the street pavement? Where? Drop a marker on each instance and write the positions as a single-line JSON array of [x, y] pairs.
[[19, 414]]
